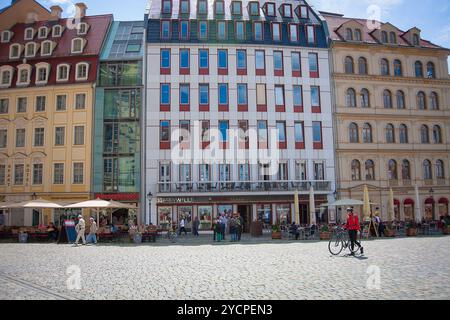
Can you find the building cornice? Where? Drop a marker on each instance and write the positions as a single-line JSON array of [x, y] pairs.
[[384, 79]]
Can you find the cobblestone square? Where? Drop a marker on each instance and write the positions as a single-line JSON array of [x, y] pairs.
[[410, 268]]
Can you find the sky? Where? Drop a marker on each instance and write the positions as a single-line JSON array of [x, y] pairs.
[[431, 16]]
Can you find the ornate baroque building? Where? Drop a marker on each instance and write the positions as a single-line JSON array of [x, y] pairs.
[[392, 115]]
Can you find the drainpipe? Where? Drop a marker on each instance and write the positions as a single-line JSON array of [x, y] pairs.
[[143, 122]]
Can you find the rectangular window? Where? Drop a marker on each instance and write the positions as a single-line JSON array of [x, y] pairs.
[[243, 134], [261, 97], [236, 8], [270, 9], [184, 94], [219, 7], [4, 105], [317, 134], [61, 102], [319, 172], [184, 61], [79, 136], [19, 170], [276, 31], [313, 65], [21, 105], [297, 93], [242, 94], [2, 174], [184, 30], [165, 61], [164, 134], [278, 63], [203, 30], [184, 6], [165, 29], [260, 62], [165, 94], [221, 30], [164, 177], [40, 103], [185, 131], [287, 10], [3, 138], [254, 8], [38, 169], [223, 129], [205, 138], [293, 32], [58, 173], [203, 91], [202, 7], [258, 31], [315, 99], [166, 6], [60, 136], [300, 171], [39, 134], [244, 172], [299, 133], [203, 58], [223, 96], [241, 62], [262, 134], [80, 101], [78, 173], [311, 30], [222, 56], [20, 138], [304, 12], [279, 99], [296, 64], [281, 128], [240, 30]]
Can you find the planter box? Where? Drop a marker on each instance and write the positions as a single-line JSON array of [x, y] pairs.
[[446, 231], [276, 235], [325, 235], [411, 232], [390, 233]]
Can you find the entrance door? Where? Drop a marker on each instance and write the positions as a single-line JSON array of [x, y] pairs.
[[246, 214]]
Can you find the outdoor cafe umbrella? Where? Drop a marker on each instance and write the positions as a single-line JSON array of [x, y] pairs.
[[35, 204], [297, 207], [391, 212], [417, 211], [99, 204], [366, 205], [312, 206]]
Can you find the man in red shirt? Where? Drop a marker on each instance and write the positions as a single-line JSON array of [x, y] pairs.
[[353, 227]]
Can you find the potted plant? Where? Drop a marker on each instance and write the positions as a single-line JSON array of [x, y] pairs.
[[446, 226], [276, 232], [325, 233], [411, 229], [389, 231]]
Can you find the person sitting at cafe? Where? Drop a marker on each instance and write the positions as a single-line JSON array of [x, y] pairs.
[[52, 231], [294, 231]]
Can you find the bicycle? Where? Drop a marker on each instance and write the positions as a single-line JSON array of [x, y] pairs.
[[339, 241]]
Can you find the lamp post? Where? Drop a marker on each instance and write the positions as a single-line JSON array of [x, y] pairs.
[[432, 202], [34, 196], [150, 197]]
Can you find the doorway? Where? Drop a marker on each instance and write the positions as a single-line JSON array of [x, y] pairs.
[[246, 214]]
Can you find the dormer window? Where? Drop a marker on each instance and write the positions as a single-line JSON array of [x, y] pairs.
[[276, 31], [236, 8], [6, 74], [304, 12], [30, 50], [29, 34], [166, 7], [349, 34], [253, 8], [184, 7], [258, 31], [358, 35], [203, 30], [416, 40], [42, 73], [270, 9], [384, 37], [287, 10], [24, 74], [202, 7], [57, 31], [82, 29], [14, 51], [77, 45], [82, 71], [219, 7], [6, 36], [393, 38], [46, 48], [43, 33], [293, 32], [62, 73]]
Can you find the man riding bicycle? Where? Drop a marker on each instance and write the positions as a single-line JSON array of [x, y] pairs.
[[353, 227]]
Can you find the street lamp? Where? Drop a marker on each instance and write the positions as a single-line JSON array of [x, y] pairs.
[[150, 197], [432, 202], [34, 195]]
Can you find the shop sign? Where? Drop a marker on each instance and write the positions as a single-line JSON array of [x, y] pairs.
[[174, 200]]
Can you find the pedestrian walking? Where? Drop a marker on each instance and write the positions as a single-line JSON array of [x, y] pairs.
[[218, 230], [195, 227], [233, 229], [240, 223], [353, 228], [182, 227], [92, 236], [81, 229]]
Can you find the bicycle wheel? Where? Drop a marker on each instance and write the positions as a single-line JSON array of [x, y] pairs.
[[335, 245]]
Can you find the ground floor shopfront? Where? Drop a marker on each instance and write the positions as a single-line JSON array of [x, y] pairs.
[[269, 210]]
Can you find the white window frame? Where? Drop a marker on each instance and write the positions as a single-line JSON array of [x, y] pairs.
[[77, 78], [58, 72], [86, 28], [11, 50], [43, 43], [73, 45], [11, 73], [26, 32], [46, 32], [61, 28], [73, 173], [19, 70], [35, 49], [42, 65], [6, 39]]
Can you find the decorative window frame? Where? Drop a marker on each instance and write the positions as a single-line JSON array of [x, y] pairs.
[[21, 47], [47, 31], [249, 8], [35, 49], [11, 71], [86, 29], [9, 37], [78, 65], [283, 10], [52, 47], [19, 70], [274, 6], [42, 65], [58, 79], [83, 44], [61, 28], [26, 32]]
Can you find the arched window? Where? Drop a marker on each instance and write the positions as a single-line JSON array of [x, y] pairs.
[[406, 170], [353, 133], [440, 171], [387, 99], [356, 170], [384, 37], [424, 134], [365, 98], [437, 135], [421, 101], [351, 98], [392, 170], [77, 45], [348, 34], [398, 72], [427, 174], [358, 35], [400, 99], [367, 133], [431, 73], [384, 67], [349, 66], [362, 65], [30, 49], [403, 133], [418, 67], [393, 38], [390, 133], [370, 170], [434, 101]]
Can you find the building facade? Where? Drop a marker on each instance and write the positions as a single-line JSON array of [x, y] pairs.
[[392, 116], [48, 69], [236, 75], [117, 156]]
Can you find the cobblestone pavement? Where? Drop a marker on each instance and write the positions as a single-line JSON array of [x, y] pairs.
[[410, 268]]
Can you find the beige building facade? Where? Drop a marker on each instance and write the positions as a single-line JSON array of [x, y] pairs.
[[392, 117]]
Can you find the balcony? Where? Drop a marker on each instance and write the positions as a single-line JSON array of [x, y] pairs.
[[204, 187]]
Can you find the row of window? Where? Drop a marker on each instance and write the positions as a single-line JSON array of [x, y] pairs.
[[390, 134], [364, 99], [391, 37], [222, 31], [385, 68], [223, 127], [253, 8], [392, 170], [42, 73], [241, 97], [30, 49], [38, 173], [44, 32], [39, 137], [243, 171], [241, 62], [41, 103]]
